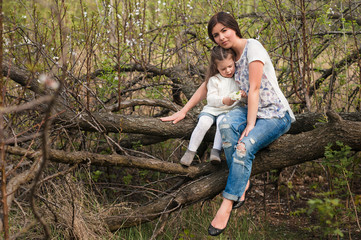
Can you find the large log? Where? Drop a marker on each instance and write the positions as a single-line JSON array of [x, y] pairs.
[[286, 151], [154, 127]]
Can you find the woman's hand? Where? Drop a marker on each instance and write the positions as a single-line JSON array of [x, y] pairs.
[[176, 117], [246, 131], [243, 94]]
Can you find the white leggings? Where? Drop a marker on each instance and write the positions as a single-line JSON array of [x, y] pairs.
[[204, 124]]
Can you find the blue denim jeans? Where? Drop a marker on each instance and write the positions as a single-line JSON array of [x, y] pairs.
[[240, 162]]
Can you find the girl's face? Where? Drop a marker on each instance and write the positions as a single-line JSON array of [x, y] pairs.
[[224, 36], [226, 67]]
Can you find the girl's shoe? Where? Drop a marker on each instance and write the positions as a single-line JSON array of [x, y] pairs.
[[187, 158], [238, 204], [215, 158]]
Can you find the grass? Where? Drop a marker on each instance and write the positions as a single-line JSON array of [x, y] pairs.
[[193, 222], [249, 222]]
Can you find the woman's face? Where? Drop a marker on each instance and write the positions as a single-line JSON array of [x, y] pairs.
[[224, 36]]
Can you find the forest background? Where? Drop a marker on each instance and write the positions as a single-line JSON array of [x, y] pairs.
[[85, 156]]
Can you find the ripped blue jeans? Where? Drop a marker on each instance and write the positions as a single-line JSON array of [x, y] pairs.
[[240, 158]]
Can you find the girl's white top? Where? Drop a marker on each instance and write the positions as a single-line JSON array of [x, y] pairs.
[[219, 87]]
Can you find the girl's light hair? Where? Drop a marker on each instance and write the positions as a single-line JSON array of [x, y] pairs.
[[218, 54]]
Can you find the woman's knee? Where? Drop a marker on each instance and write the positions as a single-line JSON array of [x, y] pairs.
[[245, 147]]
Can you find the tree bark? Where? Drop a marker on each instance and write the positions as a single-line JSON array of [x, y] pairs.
[[155, 127]]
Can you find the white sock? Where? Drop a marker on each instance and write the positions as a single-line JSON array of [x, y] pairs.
[[204, 124]]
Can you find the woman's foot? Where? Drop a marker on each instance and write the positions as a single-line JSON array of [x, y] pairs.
[[238, 204], [221, 219]]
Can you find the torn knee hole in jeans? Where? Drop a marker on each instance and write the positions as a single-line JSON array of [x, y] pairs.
[[226, 144], [224, 126], [241, 149], [241, 146]]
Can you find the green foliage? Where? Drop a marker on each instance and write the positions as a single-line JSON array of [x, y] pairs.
[[96, 175], [323, 119], [186, 234], [127, 179], [148, 32], [340, 164], [111, 80], [327, 212], [328, 209]]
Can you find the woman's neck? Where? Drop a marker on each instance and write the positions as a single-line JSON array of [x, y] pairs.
[[239, 47]]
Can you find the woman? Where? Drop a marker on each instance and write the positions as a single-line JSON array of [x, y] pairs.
[[244, 130]]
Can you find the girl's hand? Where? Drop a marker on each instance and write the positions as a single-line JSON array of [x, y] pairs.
[[228, 101], [245, 132], [238, 95], [176, 117]]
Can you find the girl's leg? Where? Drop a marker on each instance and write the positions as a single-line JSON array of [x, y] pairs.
[[203, 125], [217, 144]]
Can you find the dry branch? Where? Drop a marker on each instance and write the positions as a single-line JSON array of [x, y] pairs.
[[117, 160], [145, 102], [21, 76], [348, 60]]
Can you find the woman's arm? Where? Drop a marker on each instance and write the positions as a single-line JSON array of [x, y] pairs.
[[198, 96], [255, 77]]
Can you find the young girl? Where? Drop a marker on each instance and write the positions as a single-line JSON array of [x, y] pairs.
[[221, 86]]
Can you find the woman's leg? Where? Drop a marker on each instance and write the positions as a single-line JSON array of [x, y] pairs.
[[265, 132], [231, 128], [221, 219], [240, 164]]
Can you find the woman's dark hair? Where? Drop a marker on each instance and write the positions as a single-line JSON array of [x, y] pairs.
[[218, 54], [225, 19]]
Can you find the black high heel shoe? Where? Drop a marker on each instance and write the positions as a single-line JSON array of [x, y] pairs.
[[238, 204], [216, 231]]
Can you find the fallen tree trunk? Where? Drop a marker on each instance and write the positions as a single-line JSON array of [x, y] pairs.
[[287, 151], [155, 127]]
